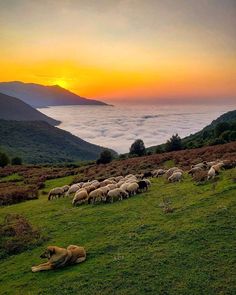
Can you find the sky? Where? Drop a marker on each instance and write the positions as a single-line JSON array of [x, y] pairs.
[[124, 50]]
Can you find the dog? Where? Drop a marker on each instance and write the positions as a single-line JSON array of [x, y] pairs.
[[60, 257]]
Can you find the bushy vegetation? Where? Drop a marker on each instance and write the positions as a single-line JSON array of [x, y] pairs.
[[16, 161], [138, 148], [17, 235], [105, 157], [174, 239], [4, 159], [173, 144]]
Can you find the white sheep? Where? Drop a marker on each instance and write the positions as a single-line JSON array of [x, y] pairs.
[[158, 172], [55, 192], [95, 196], [65, 188], [116, 194], [81, 197], [73, 189], [132, 188], [211, 173], [170, 171], [176, 176], [111, 186], [118, 178], [119, 184]]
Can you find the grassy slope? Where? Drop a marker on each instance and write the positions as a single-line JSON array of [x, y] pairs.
[[133, 247]]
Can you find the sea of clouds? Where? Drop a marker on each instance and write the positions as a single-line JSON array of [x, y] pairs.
[[118, 126]]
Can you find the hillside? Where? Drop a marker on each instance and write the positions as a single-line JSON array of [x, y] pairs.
[[39, 142], [12, 108], [38, 95], [209, 135], [133, 246]]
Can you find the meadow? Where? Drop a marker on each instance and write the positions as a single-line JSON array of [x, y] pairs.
[[133, 247]]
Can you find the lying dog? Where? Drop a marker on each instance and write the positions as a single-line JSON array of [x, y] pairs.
[[59, 257]]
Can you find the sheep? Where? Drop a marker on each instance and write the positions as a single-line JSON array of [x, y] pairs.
[[158, 172], [211, 173], [124, 186], [86, 184], [95, 183], [80, 198], [95, 196], [55, 192], [170, 171], [90, 188], [142, 185], [194, 170], [217, 167], [73, 189], [176, 176], [148, 182], [132, 188], [202, 165], [119, 184], [129, 175], [105, 190], [118, 178], [116, 194], [65, 188], [106, 182], [111, 186]]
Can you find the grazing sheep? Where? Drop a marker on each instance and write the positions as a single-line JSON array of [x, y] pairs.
[[176, 176], [73, 189], [132, 188], [111, 186], [119, 184], [119, 178], [158, 172], [217, 167], [147, 174], [211, 173], [116, 194], [142, 185], [125, 185], [90, 188], [86, 184], [148, 182], [65, 188], [81, 197], [55, 192], [202, 165], [194, 170], [96, 196], [170, 171], [106, 182], [105, 190], [129, 175]]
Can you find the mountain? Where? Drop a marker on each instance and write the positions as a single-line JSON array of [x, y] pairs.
[[39, 96], [221, 130], [12, 108], [37, 142]]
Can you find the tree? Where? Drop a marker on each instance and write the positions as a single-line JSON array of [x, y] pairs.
[[174, 143], [220, 128], [16, 161], [232, 136], [105, 157], [4, 160], [138, 148]]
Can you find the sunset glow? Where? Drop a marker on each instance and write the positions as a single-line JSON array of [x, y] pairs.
[[122, 49]]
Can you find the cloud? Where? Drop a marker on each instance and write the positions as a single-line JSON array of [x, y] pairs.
[[117, 127]]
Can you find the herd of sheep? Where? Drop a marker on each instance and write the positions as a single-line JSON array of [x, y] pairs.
[[122, 187]]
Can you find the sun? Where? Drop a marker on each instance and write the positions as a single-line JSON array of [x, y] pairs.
[[61, 82]]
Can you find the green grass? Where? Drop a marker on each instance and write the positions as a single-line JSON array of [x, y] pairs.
[[133, 247], [15, 177]]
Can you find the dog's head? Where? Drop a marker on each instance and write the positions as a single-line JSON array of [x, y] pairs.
[[48, 252]]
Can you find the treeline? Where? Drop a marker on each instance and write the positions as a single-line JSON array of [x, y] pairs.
[[5, 160]]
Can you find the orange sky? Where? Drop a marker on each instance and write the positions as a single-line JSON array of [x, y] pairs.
[[128, 49]]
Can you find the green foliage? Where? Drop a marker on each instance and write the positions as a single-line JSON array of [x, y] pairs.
[[232, 136], [4, 160], [221, 127], [38, 142], [138, 148], [190, 251], [174, 143], [105, 157], [16, 161]]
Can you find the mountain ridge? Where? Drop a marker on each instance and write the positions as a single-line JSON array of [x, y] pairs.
[[39, 96], [12, 108]]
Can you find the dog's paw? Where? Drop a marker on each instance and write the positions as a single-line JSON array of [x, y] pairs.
[[34, 269]]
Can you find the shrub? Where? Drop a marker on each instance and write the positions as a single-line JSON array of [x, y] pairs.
[[174, 143], [225, 135], [138, 148], [4, 160], [16, 161], [15, 194], [159, 150], [17, 235], [217, 141], [221, 127], [232, 136], [105, 157]]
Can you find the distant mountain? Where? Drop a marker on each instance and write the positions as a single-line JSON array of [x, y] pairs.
[[221, 130], [12, 108], [38, 95], [38, 142]]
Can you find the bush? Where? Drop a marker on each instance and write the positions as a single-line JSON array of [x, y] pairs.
[[217, 141], [16, 161], [225, 135], [16, 194], [138, 148], [174, 143], [17, 235], [4, 160], [232, 136], [105, 157], [159, 150]]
